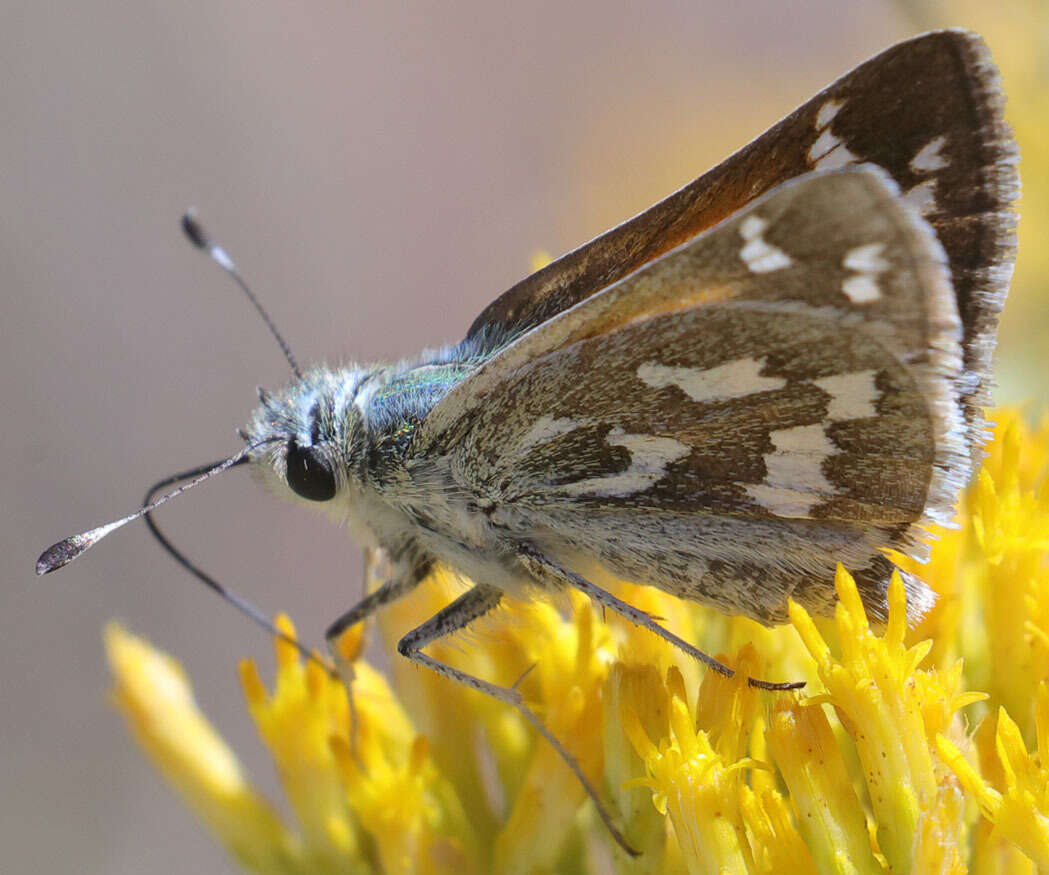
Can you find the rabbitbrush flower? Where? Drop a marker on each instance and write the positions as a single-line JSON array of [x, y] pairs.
[[919, 750]]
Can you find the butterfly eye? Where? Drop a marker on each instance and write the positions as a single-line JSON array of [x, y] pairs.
[[309, 473]]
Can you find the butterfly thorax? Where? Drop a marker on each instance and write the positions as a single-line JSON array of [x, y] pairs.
[[343, 439]]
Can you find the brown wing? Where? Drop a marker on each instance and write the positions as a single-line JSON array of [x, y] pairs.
[[775, 395], [928, 111], [800, 360]]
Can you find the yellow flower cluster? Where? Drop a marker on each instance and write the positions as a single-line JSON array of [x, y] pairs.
[[886, 762]]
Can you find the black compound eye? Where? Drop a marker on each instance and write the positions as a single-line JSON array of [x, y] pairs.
[[309, 474]]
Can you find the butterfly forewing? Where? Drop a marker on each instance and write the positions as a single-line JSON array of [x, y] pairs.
[[926, 111]]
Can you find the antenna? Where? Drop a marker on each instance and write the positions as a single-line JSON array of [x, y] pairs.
[[199, 237], [58, 555], [239, 602], [65, 551]]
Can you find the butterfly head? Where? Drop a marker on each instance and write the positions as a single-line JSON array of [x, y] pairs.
[[309, 436]]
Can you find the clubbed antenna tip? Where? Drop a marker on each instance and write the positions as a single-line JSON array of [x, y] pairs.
[[196, 235], [192, 228]]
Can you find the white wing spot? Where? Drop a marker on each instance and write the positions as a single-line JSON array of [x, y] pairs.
[[867, 261], [546, 429], [921, 197], [829, 152], [731, 380], [649, 457], [827, 112], [758, 255], [852, 396], [928, 157], [861, 289], [794, 480]]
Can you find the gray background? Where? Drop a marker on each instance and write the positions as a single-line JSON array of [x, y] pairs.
[[380, 172]]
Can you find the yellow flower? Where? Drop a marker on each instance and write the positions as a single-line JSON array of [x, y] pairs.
[[777, 843], [305, 725], [152, 693], [890, 708], [873, 769], [829, 815], [1021, 809], [568, 676], [636, 689], [1010, 519], [695, 786]]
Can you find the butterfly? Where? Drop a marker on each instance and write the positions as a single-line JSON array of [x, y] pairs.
[[779, 367]]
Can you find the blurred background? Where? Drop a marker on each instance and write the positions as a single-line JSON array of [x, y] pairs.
[[380, 172]]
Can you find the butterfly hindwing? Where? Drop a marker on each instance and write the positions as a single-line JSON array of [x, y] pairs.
[[819, 318], [795, 366]]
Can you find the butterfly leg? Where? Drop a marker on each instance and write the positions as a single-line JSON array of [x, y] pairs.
[[542, 567], [464, 610], [402, 578]]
